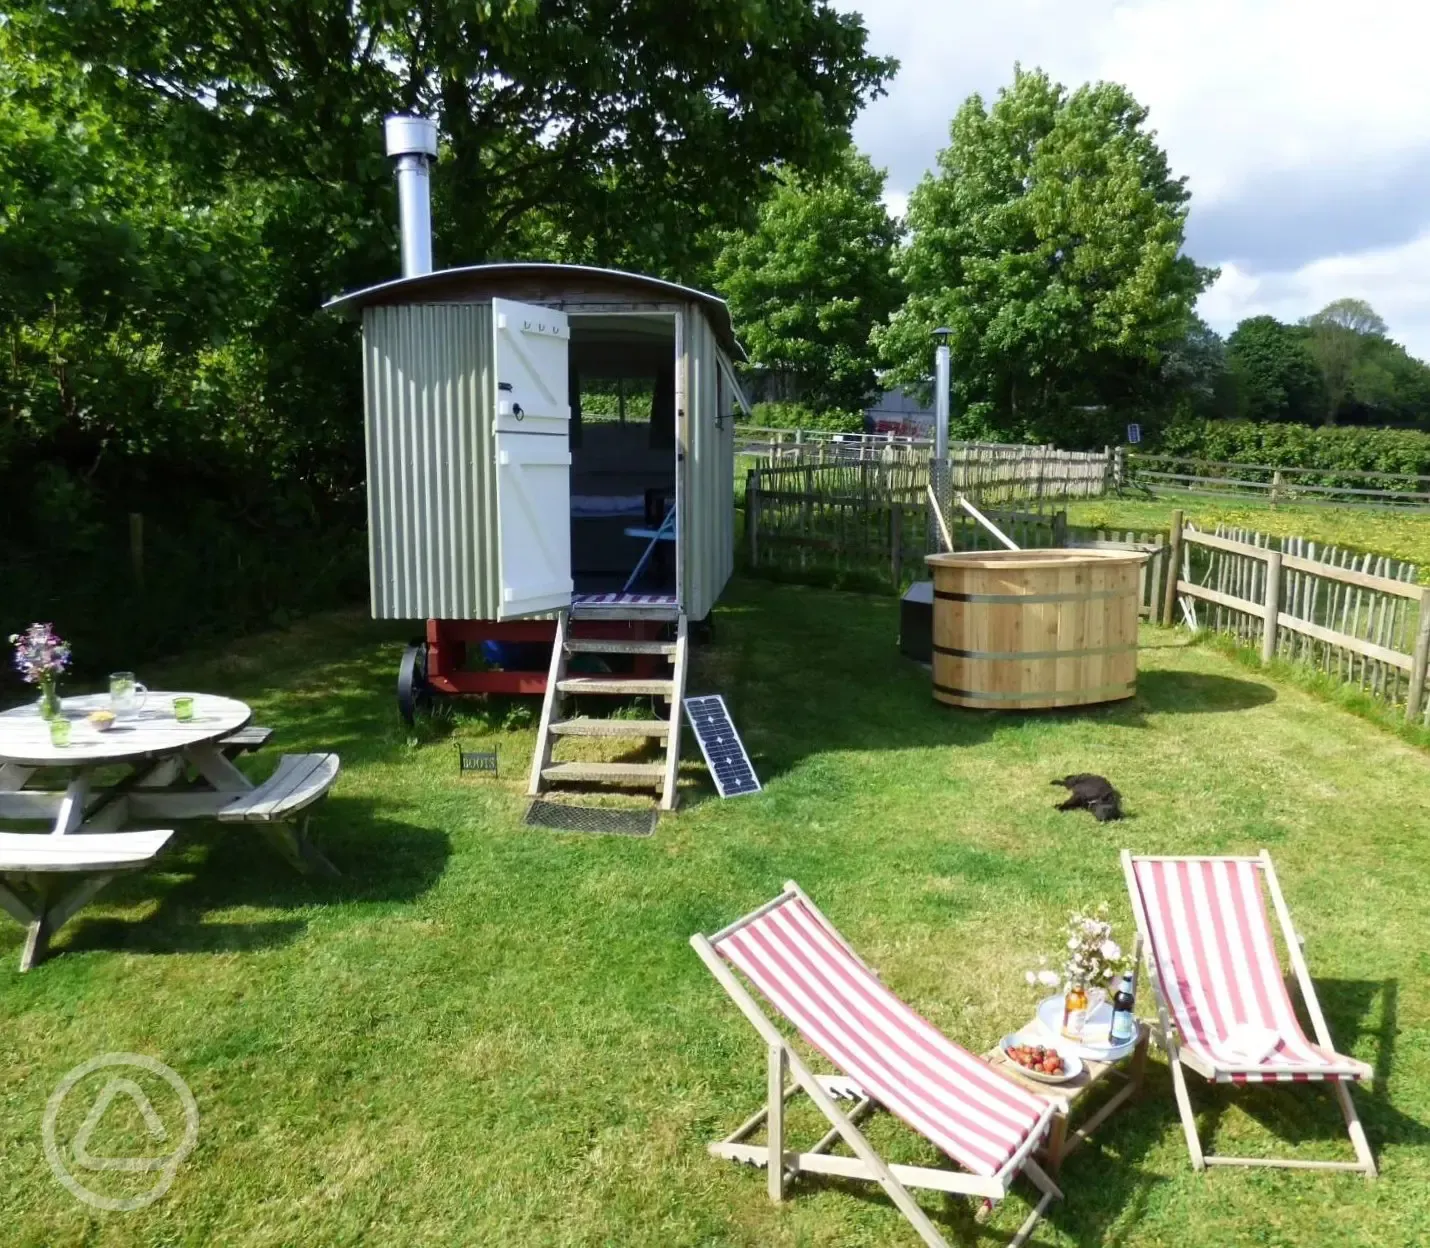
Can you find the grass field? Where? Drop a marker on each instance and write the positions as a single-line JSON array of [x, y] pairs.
[[1403, 535], [487, 1034]]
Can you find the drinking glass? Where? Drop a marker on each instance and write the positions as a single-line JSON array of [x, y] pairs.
[[60, 731], [183, 708], [126, 695]]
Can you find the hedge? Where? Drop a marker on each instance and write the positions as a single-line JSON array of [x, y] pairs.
[[1345, 448]]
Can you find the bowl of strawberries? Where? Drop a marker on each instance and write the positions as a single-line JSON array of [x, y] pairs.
[[1038, 1060]]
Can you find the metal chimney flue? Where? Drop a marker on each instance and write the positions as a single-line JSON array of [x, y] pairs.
[[412, 141]]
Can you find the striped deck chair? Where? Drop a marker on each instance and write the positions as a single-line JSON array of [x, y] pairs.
[[1215, 973], [888, 1057]]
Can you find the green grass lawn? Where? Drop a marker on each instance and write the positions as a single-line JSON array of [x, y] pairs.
[[1401, 534], [488, 1034]]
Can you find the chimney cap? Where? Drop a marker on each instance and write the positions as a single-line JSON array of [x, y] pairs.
[[409, 136]]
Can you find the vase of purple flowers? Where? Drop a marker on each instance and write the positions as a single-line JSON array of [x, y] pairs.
[[40, 656]]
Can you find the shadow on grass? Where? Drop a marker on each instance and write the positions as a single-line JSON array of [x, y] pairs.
[[221, 867], [791, 697], [1303, 1120]]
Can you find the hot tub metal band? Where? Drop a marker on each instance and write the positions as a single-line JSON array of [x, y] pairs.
[[1035, 654], [1125, 689], [1012, 599]]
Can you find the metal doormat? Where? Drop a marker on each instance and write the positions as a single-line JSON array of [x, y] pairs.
[[730, 766], [597, 820]]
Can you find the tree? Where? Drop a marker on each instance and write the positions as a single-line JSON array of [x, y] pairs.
[[1049, 240], [597, 130], [1338, 334], [1355, 315], [1195, 373], [1387, 386], [812, 279], [1276, 374]]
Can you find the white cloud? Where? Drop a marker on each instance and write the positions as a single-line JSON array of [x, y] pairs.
[[1261, 103], [1393, 280]]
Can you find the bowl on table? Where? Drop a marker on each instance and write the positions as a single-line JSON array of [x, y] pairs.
[[101, 721], [1038, 1059]]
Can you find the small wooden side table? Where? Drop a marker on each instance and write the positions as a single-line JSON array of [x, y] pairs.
[[1067, 1095]]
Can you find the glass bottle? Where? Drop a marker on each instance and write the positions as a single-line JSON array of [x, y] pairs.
[[1124, 1023], [1075, 1012]]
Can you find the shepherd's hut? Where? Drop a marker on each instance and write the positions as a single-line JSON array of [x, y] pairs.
[[549, 464]]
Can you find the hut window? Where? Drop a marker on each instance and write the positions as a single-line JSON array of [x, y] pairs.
[[617, 400]]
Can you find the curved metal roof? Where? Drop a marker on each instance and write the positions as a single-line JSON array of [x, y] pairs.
[[411, 289]]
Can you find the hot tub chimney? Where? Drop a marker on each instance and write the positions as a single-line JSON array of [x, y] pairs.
[[413, 141]]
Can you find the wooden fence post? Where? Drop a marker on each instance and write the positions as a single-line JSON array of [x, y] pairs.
[[896, 543], [1415, 695], [136, 547], [1273, 606], [1174, 570], [752, 514]]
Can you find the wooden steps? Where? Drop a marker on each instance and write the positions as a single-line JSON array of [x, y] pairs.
[[584, 726], [652, 774], [598, 645], [631, 686], [545, 770]]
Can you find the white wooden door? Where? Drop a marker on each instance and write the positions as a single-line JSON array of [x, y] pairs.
[[533, 455]]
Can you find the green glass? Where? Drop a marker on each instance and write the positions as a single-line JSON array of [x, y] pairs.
[[183, 708], [59, 732]]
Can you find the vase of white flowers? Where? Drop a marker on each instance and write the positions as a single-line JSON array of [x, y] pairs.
[[1092, 960], [40, 657]]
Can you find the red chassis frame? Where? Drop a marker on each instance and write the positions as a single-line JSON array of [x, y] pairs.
[[447, 642]]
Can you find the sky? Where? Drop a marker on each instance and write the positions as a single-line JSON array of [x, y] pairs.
[[1303, 128]]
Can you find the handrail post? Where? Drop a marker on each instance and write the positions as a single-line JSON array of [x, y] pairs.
[[1174, 570], [1273, 605], [1414, 696]]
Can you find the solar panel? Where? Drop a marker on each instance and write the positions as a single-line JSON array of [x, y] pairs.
[[724, 751]]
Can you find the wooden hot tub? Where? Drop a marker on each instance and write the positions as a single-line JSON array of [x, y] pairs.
[[1015, 630]]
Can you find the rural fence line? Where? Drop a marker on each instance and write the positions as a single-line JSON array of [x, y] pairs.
[[1361, 619], [1165, 475], [1153, 576], [876, 514]]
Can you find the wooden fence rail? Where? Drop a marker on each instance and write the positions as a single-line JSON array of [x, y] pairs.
[[1360, 618], [1171, 475]]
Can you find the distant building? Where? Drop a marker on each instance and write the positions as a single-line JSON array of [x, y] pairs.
[[899, 412]]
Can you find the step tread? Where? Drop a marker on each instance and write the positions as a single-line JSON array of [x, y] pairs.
[[584, 726], [616, 685], [611, 645], [646, 773]]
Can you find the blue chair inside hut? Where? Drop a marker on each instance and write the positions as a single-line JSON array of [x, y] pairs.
[[653, 533]]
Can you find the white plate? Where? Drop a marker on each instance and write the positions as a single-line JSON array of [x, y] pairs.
[[1099, 1020], [1072, 1064]]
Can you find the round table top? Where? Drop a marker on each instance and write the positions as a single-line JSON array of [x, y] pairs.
[[25, 737]]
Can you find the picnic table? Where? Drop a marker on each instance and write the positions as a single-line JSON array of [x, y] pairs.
[[148, 768]]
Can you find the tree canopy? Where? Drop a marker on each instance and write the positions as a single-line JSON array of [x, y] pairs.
[[1049, 240], [183, 183], [1277, 378], [597, 130], [1336, 366], [812, 279]]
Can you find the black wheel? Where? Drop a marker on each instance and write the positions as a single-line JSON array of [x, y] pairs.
[[413, 693]]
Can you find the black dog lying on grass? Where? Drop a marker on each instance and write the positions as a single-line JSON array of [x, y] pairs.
[[1093, 793]]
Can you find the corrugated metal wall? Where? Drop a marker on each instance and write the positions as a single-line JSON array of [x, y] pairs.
[[432, 507], [430, 472], [708, 519]]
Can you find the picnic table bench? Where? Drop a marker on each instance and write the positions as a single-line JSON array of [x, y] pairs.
[[176, 770]]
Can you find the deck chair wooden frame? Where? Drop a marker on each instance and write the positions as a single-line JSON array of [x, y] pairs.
[[1179, 1056], [826, 1091]]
